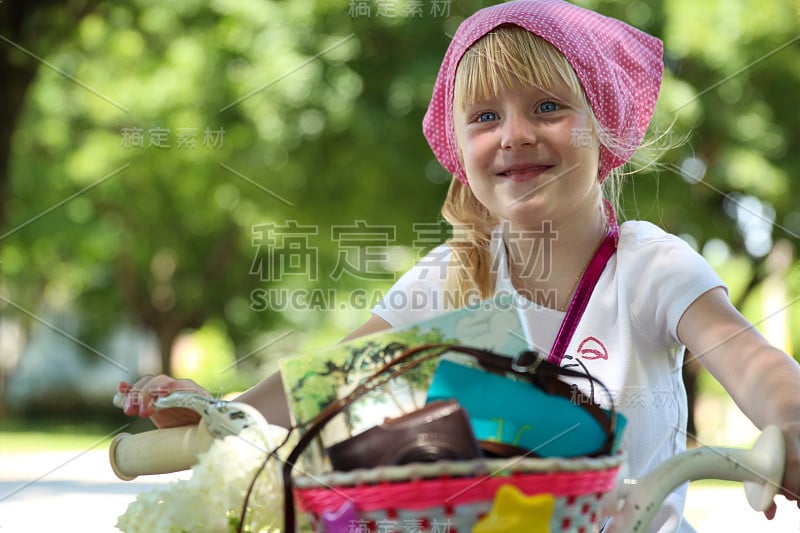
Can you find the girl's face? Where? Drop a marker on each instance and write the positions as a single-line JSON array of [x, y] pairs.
[[530, 155]]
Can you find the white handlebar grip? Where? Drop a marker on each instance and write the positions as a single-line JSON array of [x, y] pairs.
[[159, 451], [772, 461]]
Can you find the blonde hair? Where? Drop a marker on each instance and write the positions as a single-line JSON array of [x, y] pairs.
[[507, 56]]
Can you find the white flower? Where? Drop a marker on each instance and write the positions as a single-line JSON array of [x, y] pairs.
[[216, 490]]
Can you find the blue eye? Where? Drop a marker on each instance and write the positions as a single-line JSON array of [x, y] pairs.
[[486, 116], [548, 107]]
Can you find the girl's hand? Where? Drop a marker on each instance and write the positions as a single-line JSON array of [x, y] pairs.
[[790, 487], [140, 400]]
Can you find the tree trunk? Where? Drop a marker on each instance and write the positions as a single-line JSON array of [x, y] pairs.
[[691, 371], [167, 333], [47, 23], [16, 81]]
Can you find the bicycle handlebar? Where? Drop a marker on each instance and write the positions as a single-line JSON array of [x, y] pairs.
[[761, 468], [175, 449], [159, 451]]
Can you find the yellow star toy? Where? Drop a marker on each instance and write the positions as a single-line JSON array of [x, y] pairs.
[[514, 512]]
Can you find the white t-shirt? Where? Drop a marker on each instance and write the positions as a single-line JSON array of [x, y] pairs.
[[627, 336]]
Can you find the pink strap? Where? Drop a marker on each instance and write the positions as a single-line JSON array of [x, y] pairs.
[[584, 290]]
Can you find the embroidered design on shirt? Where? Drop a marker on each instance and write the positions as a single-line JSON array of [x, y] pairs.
[[591, 348]]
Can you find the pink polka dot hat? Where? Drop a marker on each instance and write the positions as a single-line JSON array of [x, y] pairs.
[[619, 68]]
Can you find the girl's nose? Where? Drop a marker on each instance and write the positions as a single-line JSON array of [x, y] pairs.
[[517, 131]]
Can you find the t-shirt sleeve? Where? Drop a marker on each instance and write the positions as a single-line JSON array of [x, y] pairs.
[[418, 294], [665, 276]]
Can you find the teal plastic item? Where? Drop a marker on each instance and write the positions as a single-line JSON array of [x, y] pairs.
[[520, 414]]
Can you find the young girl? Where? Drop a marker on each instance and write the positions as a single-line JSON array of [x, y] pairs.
[[535, 106]]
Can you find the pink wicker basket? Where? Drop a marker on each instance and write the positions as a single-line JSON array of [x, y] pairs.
[[452, 496]]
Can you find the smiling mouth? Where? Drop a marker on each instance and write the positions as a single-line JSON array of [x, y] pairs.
[[524, 173]]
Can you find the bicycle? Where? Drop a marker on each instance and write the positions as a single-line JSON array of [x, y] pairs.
[[631, 503]]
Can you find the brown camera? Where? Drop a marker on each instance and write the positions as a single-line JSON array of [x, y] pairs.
[[439, 431]]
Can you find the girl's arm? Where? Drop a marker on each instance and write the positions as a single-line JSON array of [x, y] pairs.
[[373, 325], [268, 396], [762, 380]]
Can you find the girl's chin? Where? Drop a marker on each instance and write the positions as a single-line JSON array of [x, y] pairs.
[[528, 215], [527, 203]]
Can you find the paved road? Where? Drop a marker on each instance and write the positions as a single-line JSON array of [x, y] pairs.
[[64, 492], [725, 510]]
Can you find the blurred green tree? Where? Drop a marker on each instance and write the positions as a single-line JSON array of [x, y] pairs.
[[171, 140], [43, 26]]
